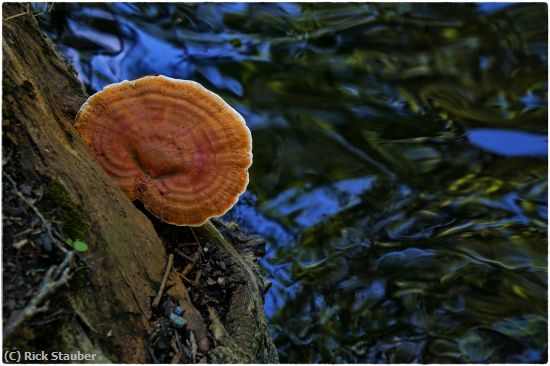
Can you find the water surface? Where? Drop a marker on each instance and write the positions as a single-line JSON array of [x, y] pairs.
[[400, 162]]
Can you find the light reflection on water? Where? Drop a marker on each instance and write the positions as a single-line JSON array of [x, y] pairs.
[[400, 162], [510, 143]]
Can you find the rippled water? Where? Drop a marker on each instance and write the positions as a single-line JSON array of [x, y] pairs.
[[400, 162]]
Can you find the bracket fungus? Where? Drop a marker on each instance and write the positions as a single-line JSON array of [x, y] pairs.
[[174, 145]]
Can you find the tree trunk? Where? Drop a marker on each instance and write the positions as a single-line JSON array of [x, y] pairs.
[[54, 193]]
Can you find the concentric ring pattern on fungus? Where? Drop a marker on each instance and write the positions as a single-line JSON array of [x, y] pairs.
[[174, 145]]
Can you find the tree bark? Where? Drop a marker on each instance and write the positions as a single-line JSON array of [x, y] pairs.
[[110, 294]]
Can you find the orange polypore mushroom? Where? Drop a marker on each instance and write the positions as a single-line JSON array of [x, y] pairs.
[[174, 145]]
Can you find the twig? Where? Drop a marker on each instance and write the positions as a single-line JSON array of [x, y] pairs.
[[29, 12], [164, 279], [191, 264], [181, 254], [20, 219], [37, 213], [197, 278], [195, 236], [51, 318], [21, 196], [68, 258], [193, 346], [185, 278], [178, 343], [59, 240], [152, 353], [55, 277], [24, 232], [20, 244]]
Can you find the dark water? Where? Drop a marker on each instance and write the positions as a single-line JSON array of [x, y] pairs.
[[400, 162]]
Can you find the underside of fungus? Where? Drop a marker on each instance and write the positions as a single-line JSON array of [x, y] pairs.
[[174, 145]]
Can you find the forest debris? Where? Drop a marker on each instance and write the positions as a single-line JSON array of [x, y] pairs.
[[164, 279], [45, 223], [195, 236], [189, 267], [211, 282], [186, 279], [183, 255], [28, 202], [176, 358], [24, 232], [177, 353], [12, 218], [152, 354], [213, 278], [195, 322], [20, 244], [179, 346], [54, 278], [193, 342], [197, 278]]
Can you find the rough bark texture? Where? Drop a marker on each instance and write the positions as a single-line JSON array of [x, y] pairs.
[[243, 337], [111, 296], [41, 98]]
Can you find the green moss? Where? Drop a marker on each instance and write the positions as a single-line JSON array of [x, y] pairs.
[[56, 205]]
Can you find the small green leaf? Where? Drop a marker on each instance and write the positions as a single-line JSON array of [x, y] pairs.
[[80, 246], [77, 245]]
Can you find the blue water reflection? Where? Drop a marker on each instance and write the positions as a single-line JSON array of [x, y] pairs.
[[489, 7], [510, 143], [310, 207], [400, 162]]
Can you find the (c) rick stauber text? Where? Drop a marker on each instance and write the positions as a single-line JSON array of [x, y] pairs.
[[25, 356]]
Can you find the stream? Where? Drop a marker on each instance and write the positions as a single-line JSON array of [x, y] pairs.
[[400, 171]]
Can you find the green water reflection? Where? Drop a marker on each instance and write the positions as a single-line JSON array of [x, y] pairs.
[[400, 162]]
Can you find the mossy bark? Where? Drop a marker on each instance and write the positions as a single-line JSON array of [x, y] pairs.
[[110, 299]]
